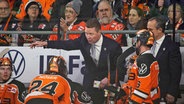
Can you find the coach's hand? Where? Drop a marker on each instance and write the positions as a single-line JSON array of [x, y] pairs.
[[38, 44]]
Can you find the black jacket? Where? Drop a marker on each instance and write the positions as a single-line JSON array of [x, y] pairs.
[[93, 72], [169, 59]]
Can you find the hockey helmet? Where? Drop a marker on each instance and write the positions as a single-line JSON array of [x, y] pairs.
[[145, 37], [57, 64], [5, 61]]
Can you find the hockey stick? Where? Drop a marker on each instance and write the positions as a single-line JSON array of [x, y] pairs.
[[109, 77], [122, 60], [3, 52]]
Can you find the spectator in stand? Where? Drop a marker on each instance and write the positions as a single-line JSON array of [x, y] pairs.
[[34, 21], [116, 6], [7, 22], [179, 20], [136, 21], [46, 8], [109, 22], [178, 17], [95, 49], [159, 8], [11, 91], [71, 21], [168, 55]]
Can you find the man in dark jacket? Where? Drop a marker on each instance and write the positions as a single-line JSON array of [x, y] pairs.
[[168, 56], [97, 66]]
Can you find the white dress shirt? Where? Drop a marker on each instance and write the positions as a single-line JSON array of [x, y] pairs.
[[97, 49], [158, 44]]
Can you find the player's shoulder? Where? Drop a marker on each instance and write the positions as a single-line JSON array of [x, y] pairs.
[[17, 83], [49, 77], [147, 59], [77, 86], [83, 96]]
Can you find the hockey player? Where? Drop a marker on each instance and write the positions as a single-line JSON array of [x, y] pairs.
[[142, 86], [54, 87], [51, 87], [11, 91]]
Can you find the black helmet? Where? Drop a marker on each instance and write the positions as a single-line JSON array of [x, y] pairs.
[[145, 37], [57, 64]]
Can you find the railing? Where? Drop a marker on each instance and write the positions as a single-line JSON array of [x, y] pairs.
[[177, 38], [77, 32]]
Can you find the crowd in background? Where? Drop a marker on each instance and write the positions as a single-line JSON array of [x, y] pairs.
[[67, 15]]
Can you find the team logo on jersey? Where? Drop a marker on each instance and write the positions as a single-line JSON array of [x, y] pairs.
[[80, 28], [143, 69], [119, 27], [12, 89], [85, 96], [41, 26], [18, 62]]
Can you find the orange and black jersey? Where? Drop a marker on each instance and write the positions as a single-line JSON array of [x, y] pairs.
[[12, 92], [142, 85], [114, 25], [77, 26], [146, 89], [52, 88]]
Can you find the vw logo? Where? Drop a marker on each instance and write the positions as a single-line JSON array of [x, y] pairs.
[[143, 69], [18, 62]]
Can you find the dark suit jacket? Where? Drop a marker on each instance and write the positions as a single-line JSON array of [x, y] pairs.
[[92, 72], [169, 59]]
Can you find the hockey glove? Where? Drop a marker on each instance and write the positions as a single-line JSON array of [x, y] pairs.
[[118, 92]]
